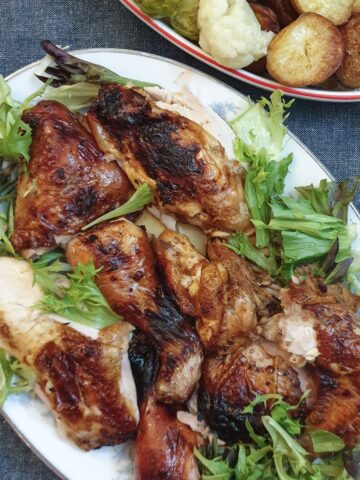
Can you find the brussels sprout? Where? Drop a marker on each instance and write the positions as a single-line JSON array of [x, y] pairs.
[[184, 19], [158, 8]]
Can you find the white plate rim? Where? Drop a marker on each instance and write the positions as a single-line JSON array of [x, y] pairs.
[[198, 72], [313, 94]]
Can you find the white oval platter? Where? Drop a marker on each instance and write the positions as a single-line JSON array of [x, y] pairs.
[[26, 415]]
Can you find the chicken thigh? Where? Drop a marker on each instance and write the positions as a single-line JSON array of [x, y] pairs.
[[68, 183]]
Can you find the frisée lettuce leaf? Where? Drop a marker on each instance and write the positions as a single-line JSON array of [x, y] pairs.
[[75, 295], [276, 452], [260, 133], [15, 135], [14, 377]]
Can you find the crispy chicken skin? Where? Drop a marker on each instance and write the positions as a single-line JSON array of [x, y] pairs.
[[333, 315], [129, 282], [232, 377], [164, 446], [336, 406], [184, 165], [86, 383], [220, 292], [69, 182], [334, 322]]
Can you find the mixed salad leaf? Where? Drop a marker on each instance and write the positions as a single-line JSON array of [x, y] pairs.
[[74, 296], [15, 135], [290, 232], [276, 452], [260, 134], [75, 82], [14, 377], [139, 199]]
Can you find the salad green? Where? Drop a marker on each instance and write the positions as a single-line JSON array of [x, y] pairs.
[[290, 232], [275, 453], [75, 296], [14, 377]]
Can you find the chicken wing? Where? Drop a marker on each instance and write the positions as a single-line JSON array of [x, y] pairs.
[[230, 380], [87, 383], [183, 164], [129, 283], [220, 292], [68, 184]]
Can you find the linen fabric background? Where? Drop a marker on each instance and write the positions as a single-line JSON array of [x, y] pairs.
[[331, 131]]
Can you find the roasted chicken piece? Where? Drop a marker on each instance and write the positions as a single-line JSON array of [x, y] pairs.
[[87, 383], [220, 292], [335, 407], [320, 324], [68, 184], [230, 380], [129, 283], [183, 164], [164, 445]]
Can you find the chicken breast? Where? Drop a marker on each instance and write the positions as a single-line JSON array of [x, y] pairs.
[[129, 283], [220, 292], [68, 184], [184, 165], [230, 380], [87, 383]]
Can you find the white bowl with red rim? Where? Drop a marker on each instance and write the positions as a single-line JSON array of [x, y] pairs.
[[317, 94]]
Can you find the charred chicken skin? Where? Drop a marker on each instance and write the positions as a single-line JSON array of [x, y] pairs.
[[129, 282], [184, 165], [68, 184], [333, 316], [231, 378], [220, 292], [86, 383]]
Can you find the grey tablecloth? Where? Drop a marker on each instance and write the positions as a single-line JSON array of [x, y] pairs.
[[332, 131]]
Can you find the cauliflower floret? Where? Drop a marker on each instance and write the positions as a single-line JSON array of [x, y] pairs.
[[230, 32]]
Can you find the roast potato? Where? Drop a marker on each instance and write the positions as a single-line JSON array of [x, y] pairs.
[[337, 11], [284, 10], [356, 8], [349, 72], [306, 52], [266, 17]]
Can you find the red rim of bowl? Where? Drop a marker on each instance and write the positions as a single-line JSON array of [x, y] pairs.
[[241, 74]]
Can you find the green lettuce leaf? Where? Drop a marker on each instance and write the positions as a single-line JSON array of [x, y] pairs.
[[14, 377], [15, 135], [49, 272], [240, 244], [261, 126], [260, 134], [324, 442], [80, 300], [139, 199], [75, 97]]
